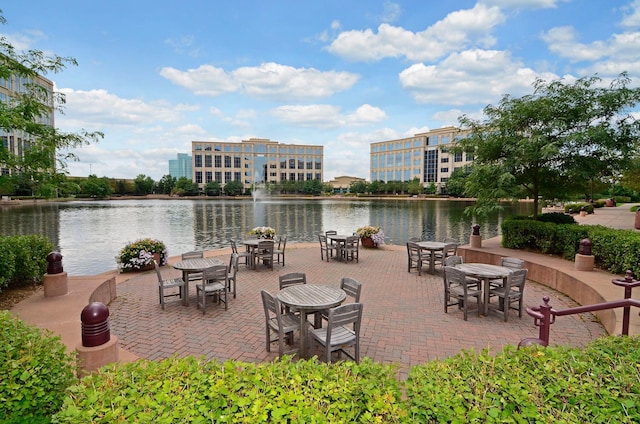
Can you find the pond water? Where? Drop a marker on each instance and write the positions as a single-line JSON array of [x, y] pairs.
[[89, 234]]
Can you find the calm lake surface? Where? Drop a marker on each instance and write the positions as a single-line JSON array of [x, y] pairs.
[[89, 234]]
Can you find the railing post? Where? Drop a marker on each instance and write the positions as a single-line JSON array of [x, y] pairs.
[[543, 319], [628, 283]]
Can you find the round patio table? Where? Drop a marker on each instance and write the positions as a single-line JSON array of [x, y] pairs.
[[486, 273], [194, 265], [309, 298]]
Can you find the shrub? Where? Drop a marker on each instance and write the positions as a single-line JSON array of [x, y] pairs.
[[196, 390], [559, 384], [576, 207], [556, 218], [35, 371], [23, 259]]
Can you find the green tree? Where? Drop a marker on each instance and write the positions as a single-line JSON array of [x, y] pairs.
[[122, 187], [358, 187], [456, 183], [93, 186], [143, 185], [415, 187], [166, 184], [312, 187], [186, 187], [28, 112], [233, 188], [212, 188], [431, 188], [537, 143]]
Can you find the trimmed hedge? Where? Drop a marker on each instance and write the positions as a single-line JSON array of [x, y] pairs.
[[598, 384], [23, 260], [35, 371], [614, 250], [200, 391]]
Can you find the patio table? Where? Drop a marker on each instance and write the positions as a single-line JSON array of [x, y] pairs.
[[194, 265], [310, 298], [340, 240], [252, 245], [432, 247], [486, 273]]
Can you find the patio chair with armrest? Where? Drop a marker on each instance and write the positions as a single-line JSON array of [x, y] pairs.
[[351, 287], [511, 292], [214, 284], [291, 279], [278, 322], [243, 257], [326, 249], [197, 275], [264, 253], [413, 256], [507, 262], [232, 273], [351, 249], [279, 251], [459, 290], [342, 331], [169, 283]]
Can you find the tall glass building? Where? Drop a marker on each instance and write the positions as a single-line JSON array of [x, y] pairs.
[[425, 156], [255, 161], [181, 167]]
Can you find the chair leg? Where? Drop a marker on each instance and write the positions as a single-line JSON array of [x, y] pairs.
[[268, 333]]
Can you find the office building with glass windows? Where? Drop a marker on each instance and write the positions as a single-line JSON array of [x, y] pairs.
[[180, 167], [18, 142], [255, 161], [425, 156]]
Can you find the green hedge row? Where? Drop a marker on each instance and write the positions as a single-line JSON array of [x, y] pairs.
[[35, 371], [199, 391], [596, 384], [23, 260], [614, 250]]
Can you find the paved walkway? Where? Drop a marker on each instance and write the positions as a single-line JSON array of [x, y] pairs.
[[404, 321]]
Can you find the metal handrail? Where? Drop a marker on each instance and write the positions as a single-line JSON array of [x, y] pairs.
[[544, 315]]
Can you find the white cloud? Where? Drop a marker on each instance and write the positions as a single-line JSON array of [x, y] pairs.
[[391, 12], [562, 41], [25, 39], [327, 116], [632, 15], [267, 81], [528, 4], [459, 29], [469, 77]]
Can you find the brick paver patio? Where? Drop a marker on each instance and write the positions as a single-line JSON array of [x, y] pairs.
[[403, 321]]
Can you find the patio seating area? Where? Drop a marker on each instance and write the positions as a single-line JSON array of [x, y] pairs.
[[403, 321]]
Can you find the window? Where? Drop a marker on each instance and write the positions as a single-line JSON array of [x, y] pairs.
[[469, 157], [292, 176], [430, 166], [444, 160], [227, 161], [227, 177], [236, 162], [273, 165], [283, 176], [198, 177], [218, 176], [445, 139], [197, 147], [374, 162], [457, 157], [310, 164], [218, 161], [237, 176], [432, 141], [318, 176], [300, 164], [283, 164], [208, 176], [300, 176], [207, 148], [207, 161], [292, 164], [318, 164], [444, 170], [198, 162], [309, 176]]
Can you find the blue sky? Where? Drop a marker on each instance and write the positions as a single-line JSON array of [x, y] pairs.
[[156, 75]]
